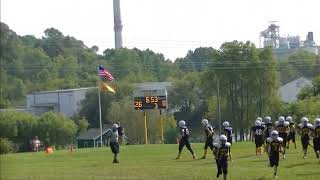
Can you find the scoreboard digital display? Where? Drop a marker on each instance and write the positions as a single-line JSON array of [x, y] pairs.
[[150, 102]]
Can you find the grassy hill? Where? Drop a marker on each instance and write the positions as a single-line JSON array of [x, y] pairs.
[[152, 162]]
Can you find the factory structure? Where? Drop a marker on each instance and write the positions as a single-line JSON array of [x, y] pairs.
[[285, 46]]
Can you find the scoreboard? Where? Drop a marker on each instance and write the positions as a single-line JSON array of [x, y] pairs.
[[150, 99], [150, 102]]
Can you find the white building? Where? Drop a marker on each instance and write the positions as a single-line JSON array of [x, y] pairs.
[[67, 102], [289, 91]]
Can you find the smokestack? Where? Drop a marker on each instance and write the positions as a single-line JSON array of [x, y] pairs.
[[117, 24]]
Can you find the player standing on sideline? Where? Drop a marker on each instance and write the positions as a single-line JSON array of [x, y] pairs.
[[274, 146], [184, 140], [292, 132], [114, 144], [316, 137], [221, 152], [283, 128], [258, 130], [209, 136], [304, 130]]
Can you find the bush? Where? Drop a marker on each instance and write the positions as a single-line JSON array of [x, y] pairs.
[[5, 146]]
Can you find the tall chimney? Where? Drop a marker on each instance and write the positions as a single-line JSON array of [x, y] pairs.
[[117, 24]]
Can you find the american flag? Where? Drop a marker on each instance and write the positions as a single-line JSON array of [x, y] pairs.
[[103, 72]]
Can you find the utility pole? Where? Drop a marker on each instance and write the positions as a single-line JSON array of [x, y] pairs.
[[117, 24], [219, 111]]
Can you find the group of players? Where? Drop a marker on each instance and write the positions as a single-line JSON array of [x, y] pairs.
[[221, 150], [275, 137]]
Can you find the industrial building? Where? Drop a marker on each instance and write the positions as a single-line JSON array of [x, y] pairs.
[[285, 46], [67, 102]]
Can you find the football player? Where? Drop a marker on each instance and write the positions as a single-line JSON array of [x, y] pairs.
[[304, 129], [274, 147], [316, 137], [184, 139], [283, 129], [258, 130], [292, 132], [221, 152], [114, 142], [208, 130]]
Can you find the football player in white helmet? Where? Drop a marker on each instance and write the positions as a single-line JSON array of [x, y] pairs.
[[269, 126], [274, 147], [258, 130], [227, 130], [184, 139], [292, 132], [304, 129], [114, 142], [283, 129], [208, 130], [221, 151], [316, 137]]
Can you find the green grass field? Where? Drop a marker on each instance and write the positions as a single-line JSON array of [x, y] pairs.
[[153, 162]]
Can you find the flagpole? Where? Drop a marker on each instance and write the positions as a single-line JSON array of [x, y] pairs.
[[100, 108]]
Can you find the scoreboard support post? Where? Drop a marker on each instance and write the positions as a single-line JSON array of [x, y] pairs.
[[145, 128], [161, 126]]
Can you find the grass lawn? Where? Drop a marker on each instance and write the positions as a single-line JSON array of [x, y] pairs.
[[153, 162]]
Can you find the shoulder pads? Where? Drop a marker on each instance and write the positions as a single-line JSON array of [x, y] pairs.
[[286, 123], [300, 125], [215, 145], [228, 144], [269, 139], [276, 123], [280, 139]]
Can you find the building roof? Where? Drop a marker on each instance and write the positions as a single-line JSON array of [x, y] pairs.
[[92, 133], [152, 85], [289, 91], [64, 90]]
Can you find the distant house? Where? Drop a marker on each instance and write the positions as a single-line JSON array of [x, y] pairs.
[[91, 138], [289, 91], [67, 102]]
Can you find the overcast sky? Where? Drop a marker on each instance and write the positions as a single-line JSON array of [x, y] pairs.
[[171, 27]]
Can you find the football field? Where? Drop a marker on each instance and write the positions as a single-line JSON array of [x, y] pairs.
[[154, 162]]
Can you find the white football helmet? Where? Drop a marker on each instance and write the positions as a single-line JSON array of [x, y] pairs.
[[223, 139], [281, 120], [204, 122], [317, 122], [305, 120], [274, 134], [115, 126], [182, 123], [267, 119], [225, 124], [257, 123], [289, 119], [259, 119]]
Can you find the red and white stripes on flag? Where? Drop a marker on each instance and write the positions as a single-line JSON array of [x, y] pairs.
[[103, 72]]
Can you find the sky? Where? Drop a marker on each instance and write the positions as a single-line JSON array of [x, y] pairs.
[[170, 27]]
